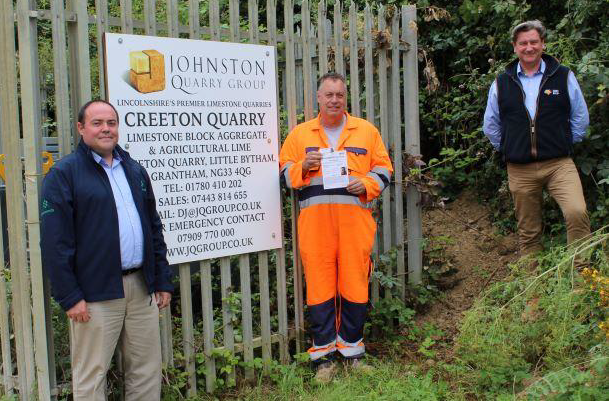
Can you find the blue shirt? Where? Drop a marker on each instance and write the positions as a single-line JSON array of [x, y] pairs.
[[578, 119], [129, 223]]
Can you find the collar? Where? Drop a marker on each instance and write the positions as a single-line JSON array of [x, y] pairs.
[[541, 70], [343, 122], [551, 65], [98, 159]]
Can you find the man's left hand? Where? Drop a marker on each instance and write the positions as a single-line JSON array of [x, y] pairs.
[[162, 298], [356, 187]]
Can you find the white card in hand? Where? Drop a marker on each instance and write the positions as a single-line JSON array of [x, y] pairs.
[[334, 168]]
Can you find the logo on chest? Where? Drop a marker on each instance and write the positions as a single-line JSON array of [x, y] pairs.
[[551, 92]]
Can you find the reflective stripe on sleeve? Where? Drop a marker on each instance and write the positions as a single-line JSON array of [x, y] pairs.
[[285, 172], [317, 180], [383, 173], [378, 180]]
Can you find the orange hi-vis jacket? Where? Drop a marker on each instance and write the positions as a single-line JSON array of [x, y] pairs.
[[336, 231]]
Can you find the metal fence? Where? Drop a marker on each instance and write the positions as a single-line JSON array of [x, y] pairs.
[[377, 51]]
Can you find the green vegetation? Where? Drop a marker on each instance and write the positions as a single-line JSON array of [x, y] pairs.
[[540, 334]]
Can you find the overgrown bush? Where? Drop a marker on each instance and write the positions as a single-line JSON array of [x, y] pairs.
[[542, 333]]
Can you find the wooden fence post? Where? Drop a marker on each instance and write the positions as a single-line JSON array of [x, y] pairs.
[[5, 334], [369, 83], [188, 338], [31, 127], [385, 133], [101, 17], [412, 145], [14, 201], [60, 66], [282, 306], [263, 257], [126, 16], [354, 61], [307, 66], [396, 128], [208, 325], [339, 61], [292, 121], [322, 47], [80, 66]]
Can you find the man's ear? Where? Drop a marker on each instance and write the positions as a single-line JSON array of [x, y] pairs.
[[79, 127]]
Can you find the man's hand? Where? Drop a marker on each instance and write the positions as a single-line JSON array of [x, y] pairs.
[[79, 312], [356, 187], [312, 161], [162, 298]]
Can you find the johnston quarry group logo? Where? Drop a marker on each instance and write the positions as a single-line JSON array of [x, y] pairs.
[[147, 71]]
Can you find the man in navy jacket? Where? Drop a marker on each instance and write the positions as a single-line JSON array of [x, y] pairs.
[[103, 249]]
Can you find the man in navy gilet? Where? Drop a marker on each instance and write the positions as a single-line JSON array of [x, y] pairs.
[[534, 114]]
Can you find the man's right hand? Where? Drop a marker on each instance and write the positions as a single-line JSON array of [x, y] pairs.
[[312, 161], [79, 313]]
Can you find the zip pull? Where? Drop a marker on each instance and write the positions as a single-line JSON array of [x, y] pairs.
[[532, 129]]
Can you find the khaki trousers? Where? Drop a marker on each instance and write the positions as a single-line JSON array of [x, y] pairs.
[[562, 181], [132, 324]]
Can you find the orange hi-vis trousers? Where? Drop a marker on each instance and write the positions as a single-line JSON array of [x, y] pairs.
[[335, 244]]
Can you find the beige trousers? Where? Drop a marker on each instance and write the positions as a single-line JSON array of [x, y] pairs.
[[132, 324], [562, 181]]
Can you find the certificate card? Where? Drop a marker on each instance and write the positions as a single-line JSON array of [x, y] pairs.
[[334, 168]]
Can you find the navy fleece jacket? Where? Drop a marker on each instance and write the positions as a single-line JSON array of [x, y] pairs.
[[79, 230]]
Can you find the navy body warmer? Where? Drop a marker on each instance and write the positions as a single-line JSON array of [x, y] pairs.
[[547, 134]]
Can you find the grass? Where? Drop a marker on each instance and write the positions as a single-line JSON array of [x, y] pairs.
[[536, 335], [388, 380]]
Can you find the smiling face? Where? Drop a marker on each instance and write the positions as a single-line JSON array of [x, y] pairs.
[[529, 47], [100, 128], [332, 99]]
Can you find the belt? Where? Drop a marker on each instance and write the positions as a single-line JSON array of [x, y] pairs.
[[127, 272]]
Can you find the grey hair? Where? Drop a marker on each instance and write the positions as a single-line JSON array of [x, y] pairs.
[[334, 76], [528, 26]]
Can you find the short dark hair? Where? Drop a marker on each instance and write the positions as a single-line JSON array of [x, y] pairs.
[[333, 76], [529, 26], [83, 109]]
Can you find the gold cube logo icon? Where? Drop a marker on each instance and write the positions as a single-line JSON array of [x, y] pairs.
[[147, 73]]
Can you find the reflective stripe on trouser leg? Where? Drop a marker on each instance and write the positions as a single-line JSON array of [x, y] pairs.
[[319, 351], [350, 350]]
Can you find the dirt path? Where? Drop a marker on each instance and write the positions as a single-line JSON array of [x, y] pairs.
[[467, 242]]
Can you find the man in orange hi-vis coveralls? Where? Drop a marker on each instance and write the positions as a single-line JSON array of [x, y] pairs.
[[335, 226]]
